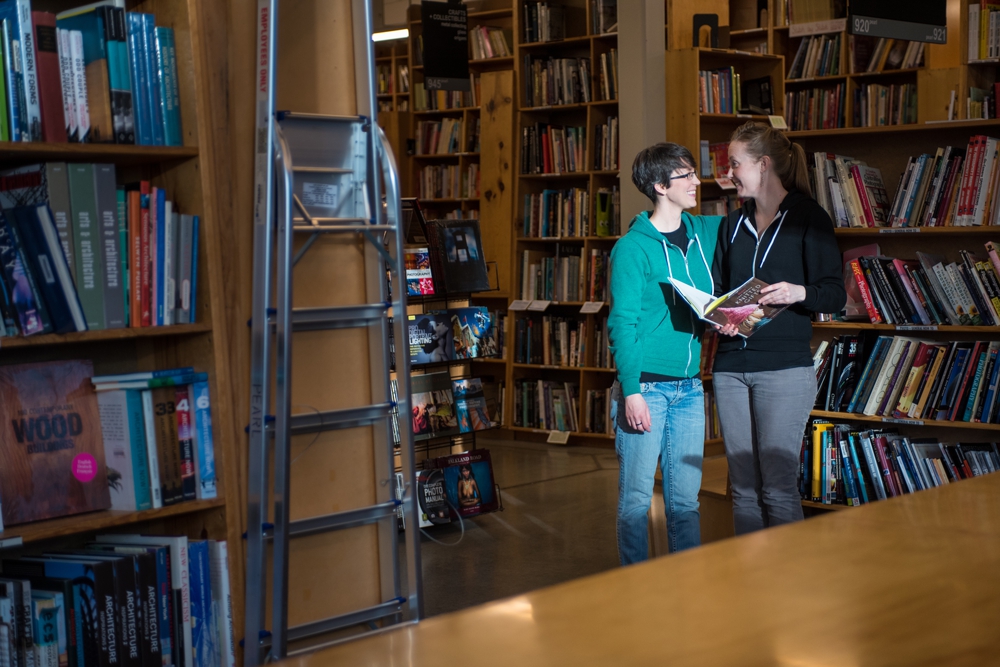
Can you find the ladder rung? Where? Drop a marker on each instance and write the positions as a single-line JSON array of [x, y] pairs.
[[299, 218], [339, 521], [315, 229], [315, 628], [338, 419], [322, 170], [340, 317]]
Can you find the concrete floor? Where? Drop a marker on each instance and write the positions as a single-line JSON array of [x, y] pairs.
[[558, 524]]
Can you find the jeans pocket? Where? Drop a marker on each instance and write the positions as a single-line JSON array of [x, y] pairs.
[[644, 387]]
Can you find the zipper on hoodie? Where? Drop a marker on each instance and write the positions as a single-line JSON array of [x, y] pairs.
[[687, 270]]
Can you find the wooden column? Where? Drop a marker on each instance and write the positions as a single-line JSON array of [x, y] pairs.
[[641, 77], [496, 175]]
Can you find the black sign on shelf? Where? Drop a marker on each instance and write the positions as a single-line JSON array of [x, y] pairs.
[[445, 45], [923, 21]]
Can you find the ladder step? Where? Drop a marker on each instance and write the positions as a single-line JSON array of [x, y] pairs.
[[340, 419], [341, 317], [339, 520], [335, 229], [306, 630], [322, 170]]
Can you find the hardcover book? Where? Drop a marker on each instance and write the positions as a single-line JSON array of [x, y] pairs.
[[738, 307], [474, 333], [52, 463]]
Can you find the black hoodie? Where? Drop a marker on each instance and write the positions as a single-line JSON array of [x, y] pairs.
[[797, 247]]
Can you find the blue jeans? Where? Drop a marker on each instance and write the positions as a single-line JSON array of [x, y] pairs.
[[677, 439]]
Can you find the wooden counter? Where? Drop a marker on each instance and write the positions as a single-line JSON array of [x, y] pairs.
[[909, 581]]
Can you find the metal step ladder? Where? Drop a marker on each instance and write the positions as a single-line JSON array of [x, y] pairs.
[[318, 175]]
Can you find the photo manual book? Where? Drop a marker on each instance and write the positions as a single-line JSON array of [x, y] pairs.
[[738, 306], [52, 459]]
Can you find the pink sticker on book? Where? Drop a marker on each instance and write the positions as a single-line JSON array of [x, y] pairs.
[[84, 467]]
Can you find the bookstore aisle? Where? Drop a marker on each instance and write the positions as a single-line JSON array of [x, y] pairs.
[[558, 524]]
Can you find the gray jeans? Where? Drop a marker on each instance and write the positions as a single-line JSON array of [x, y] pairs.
[[763, 416]]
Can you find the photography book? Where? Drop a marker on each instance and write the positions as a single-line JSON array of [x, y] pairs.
[[738, 307], [419, 281], [433, 411], [468, 482]]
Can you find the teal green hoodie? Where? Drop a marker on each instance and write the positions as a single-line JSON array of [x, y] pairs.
[[650, 327]]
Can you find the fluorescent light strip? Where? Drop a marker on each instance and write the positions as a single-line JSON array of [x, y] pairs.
[[402, 33]]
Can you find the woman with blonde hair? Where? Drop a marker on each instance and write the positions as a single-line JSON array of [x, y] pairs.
[[765, 385]]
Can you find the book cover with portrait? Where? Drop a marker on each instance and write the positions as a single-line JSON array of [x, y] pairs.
[[52, 458], [468, 482]]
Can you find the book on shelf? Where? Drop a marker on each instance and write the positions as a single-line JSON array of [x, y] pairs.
[[544, 21], [551, 340], [603, 16], [606, 145], [557, 213], [75, 252], [877, 104], [488, 42], [597, 412], [158, 440], [738, 307], [54, 465], [553, 149], [556, 81], [847, 466], [91, 74], [607, 75], [433, 406], [816, 108], [817, 55], [546, 404]]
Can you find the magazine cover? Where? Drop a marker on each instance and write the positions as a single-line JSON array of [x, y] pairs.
[[738, 307], [52, 458], [474, 333], [468, 482], [431, 498], [419, 281], [470, 405], [432, 337], [433, 406]]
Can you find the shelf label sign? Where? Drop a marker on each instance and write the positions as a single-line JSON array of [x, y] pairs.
[[538, 306], [896, 29], [778, 122], [591, 307], [519, 304], [445, 45], [893, 420], [899, 230], [558, 437], [916, 327]]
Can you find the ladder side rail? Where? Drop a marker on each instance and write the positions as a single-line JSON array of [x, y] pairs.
[[258, 442], [283, 398], [394, 217]]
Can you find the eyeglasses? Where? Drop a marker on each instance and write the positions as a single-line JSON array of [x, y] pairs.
[[689, 176]]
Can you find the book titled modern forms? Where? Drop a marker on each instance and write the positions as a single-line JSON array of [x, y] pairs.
[[738, 307]]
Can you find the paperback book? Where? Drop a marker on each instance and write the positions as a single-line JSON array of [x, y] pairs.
[[419, 281], [470, 405], [433, 406], [738, 307]]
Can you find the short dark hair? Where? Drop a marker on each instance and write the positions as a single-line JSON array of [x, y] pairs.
[[656, 163]]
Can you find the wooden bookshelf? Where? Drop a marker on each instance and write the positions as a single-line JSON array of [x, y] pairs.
[[197, 179]]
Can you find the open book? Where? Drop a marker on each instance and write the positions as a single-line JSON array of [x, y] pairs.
[[738, 306]]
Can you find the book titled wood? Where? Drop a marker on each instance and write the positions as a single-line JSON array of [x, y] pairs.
[[53, 464]]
